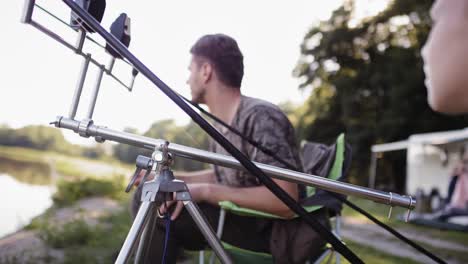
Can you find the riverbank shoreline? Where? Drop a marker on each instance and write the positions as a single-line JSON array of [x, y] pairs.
[[28, 246]]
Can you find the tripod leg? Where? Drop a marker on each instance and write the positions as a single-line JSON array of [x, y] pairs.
[[132, 236], [145, 239], [207, 232]]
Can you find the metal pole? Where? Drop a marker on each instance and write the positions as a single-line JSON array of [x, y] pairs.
[[219, 230], [207, 231], [372, 170], [81, 39], [110, 67], [145, 239], [79, 87], [92, 103], [27, 11], [338, 232], [135, 230], [230, 162], [51, 34]]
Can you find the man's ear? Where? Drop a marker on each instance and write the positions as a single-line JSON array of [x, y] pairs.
[[207, 72]]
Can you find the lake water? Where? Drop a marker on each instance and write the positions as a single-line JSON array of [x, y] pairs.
[[25, 192]]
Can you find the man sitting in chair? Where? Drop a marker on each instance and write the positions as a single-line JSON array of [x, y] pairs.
[[216, 71]]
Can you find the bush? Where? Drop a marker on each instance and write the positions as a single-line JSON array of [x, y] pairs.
[[71, 234], [83, 243], [70, 191]]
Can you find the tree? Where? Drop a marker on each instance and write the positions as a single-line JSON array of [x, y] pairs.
[[367, 80], [188, 135], [128, 153], [37, 137]]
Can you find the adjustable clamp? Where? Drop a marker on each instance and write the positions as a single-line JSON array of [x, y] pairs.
[[83, 127], [142, 162], [160, 159], [410, 205]]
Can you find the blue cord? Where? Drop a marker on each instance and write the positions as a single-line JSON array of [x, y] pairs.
[[167, 218]]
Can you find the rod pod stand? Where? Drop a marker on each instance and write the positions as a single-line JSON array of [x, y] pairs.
[[154, 193]]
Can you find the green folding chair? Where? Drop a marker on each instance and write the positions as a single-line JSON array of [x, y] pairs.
[[316, 200]]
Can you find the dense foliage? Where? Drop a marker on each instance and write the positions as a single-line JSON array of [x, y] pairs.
[[188, 135], [366, 79], [45, 138]]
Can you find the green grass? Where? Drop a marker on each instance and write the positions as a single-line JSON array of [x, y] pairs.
[[25, 154], [89, 244], [70, 191], [370, 255], [81, 243], [67, 169], [380, 211], [447, 254], [71, 234], [65, 163]]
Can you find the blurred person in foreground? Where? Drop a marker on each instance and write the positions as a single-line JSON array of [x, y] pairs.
[[445, 57]]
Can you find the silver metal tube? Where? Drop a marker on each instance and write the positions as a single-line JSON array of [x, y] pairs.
[[108, 71], [27, 11], [51, 34], [135, 230], [219, 230], [79, 87], [132, 82], [201, 257], [372, 170], [222, 217], [144, 239], [298, 177], [119, 81], [99, 65], [92, 103], [110, 67], [207, 232], [78, 50], [80, 40], [338, 232], [230, 162]]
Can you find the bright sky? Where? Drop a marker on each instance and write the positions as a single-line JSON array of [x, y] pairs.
[[39, 75]]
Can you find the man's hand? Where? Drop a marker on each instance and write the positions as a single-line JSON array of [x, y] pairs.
[[199, 193], [140, 177]]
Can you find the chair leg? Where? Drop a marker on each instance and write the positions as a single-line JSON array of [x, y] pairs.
[[219, 233], [201, 257], [338, 234], [222, 217], [333, 252]]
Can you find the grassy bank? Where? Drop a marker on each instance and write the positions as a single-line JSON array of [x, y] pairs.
[[81, 242], [75, 179], [64, 165], [380, 211], [84, 238]]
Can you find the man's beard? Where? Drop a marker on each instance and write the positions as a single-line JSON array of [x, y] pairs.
[[199, 98]]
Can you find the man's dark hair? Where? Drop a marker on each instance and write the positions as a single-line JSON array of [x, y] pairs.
[[223, 52]]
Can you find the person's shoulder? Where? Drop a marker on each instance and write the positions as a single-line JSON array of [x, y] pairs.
[[263, 113], [253, 105]]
